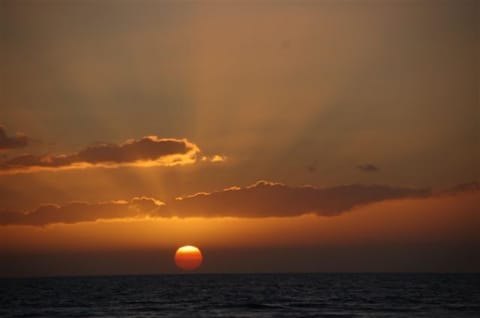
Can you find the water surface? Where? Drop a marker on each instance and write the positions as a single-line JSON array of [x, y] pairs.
[[244, 295]]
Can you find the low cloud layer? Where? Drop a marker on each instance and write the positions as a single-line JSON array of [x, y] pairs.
[[263, 199], [12, 142], [268, 199], [436, 233], [76, 212], [147, 151]]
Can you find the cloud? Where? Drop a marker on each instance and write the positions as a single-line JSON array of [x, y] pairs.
[[12, 142], [462, 188], [76, 212], [146, 151], [214, 158], [438, 233], [269, 199], [368, 167], [260, 200]]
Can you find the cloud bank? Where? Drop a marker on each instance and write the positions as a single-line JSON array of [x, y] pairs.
[[146, 151], [12, 142], [262, 199], [76, 212], [269, 199]]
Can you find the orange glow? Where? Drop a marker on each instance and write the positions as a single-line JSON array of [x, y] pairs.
[[188, 257], [427, 220], [47, 162]]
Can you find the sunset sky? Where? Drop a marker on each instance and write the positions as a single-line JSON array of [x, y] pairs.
[[276, 135]]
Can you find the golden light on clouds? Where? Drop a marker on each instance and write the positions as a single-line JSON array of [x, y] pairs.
[[149, 151], [448, 218], [147, 127]]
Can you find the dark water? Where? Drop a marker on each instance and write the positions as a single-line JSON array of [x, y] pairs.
[[244, 295]]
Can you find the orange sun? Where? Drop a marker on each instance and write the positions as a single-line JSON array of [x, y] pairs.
[[188, 257]]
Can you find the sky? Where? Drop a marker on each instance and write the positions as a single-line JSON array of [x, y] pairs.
[[275, 135]]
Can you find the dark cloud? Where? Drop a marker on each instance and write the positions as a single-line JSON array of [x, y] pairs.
[[12, 142], [462, 188], [267, 199], [368, 167], [81, 212], [147, 151], [263, 199]]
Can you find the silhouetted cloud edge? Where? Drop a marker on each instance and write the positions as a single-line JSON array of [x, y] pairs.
[[76, 212], [272, 199], [259, 200], [144, 152]]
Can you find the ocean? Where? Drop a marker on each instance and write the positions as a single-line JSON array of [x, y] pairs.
[[244, 295]]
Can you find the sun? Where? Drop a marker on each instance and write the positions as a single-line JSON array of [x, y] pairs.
[[188, 257]]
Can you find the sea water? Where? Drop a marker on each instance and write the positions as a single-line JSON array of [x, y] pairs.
[[244, 295]]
